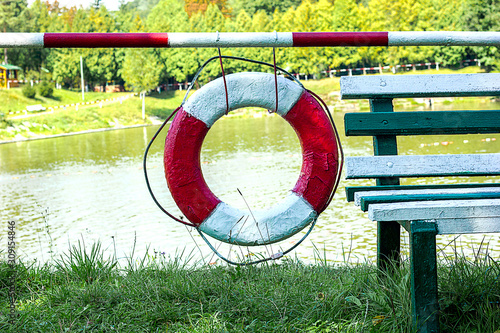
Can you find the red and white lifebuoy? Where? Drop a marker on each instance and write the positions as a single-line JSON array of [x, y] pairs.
[[307, 199]]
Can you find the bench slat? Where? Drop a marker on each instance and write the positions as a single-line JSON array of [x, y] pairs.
[[407, 195], [352, 190], [473, 225], [433, 210], [422, 165], [422, 123], [410, 86], [365, 202]]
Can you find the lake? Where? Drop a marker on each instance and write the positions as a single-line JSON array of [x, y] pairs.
[[91, 187]]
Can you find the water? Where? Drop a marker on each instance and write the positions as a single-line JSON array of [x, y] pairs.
[[91, 187]]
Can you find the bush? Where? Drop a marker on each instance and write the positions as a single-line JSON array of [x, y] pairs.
[[45, 89], [29, 91], [4, 123]]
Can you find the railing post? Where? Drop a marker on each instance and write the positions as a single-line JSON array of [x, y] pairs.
[[424, 290], [388, 233]]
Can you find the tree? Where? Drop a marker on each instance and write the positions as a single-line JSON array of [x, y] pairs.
[[483, 15], [268, 6], [141, 69], [195, 6], [11, 17], [307, 17], [142, 7], [169, 15], [100, 64]]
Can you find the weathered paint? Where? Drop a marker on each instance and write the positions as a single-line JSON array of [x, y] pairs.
[[93, 40], [432, 210], [423, 267], [312, 191], [281, 221], [319, 151], [424, 192], [244, 90], [183, 169], [389, 233], [367, 201], [352, 190], [411, 86], [422, 165], [302, 39], [231, 39], [256, 39], [471, 225], [21, 40], [444, 38]]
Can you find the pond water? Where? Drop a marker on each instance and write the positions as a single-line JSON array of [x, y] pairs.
[[91, 187]]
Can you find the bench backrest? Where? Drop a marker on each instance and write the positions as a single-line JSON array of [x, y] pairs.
[[385, 125]]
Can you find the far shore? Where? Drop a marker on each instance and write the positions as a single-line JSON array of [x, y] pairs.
[[40, 137]]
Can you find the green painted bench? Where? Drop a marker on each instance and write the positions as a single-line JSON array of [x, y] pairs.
[[423, 210]]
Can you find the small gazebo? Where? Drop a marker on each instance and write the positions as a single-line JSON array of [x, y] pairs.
[[8, 76]]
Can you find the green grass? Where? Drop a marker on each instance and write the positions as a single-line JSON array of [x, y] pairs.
[[161, 105], [84, 292], [14, 100], [323, 87]]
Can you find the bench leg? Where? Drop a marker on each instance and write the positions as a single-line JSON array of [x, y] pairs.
[[388, 244], [423, 265]]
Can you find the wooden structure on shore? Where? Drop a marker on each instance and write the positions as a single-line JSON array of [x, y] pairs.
[[9, 76]]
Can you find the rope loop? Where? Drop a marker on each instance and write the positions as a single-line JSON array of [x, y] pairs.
[[271, 256]]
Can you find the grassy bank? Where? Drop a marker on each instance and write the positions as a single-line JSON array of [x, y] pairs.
[[129, 112], [85, 293], [14, 100], [110, 115]]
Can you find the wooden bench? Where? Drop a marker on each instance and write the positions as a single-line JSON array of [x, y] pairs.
[[423, 210]]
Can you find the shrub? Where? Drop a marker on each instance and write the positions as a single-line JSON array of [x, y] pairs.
[[4, 123], [45, 89], [29, 91]]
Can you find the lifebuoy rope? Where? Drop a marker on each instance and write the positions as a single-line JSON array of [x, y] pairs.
[[322, 103], [225, 83], [275, 79], [144, 166]]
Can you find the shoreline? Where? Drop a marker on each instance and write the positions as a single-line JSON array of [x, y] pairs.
[[80, 132]]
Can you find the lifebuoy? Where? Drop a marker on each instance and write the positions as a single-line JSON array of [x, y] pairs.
[[307, 199]]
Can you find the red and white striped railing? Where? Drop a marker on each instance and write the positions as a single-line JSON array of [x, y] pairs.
[[247, 39]]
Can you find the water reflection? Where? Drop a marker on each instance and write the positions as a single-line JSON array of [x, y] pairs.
[[89, 187]]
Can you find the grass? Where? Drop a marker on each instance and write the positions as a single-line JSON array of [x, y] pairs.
[[85, 292], [14, 100], [92, 117]]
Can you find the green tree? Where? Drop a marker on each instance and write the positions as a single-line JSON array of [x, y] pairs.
[[483, 15], [141, 7], [268, 6], [436, 15], [344, 16], [170, 16], [195, 6], [100, 64], [308, 17], [11, 18], [140, 70]]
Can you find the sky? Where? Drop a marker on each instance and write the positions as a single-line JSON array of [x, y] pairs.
[[109, 4]]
